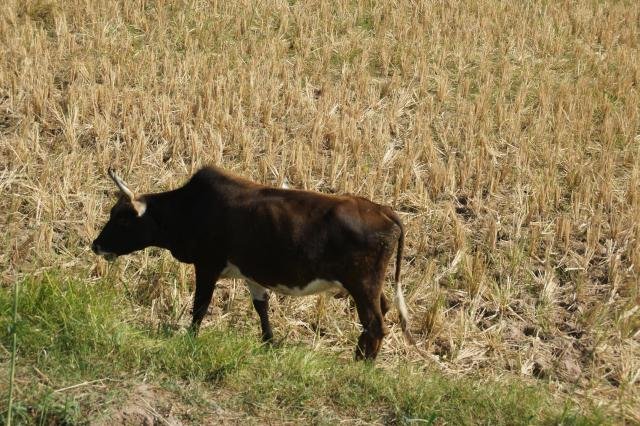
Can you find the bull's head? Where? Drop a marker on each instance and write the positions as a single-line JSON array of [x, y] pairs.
[[129, 228]]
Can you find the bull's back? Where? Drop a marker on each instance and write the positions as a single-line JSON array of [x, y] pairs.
[[294, 237]]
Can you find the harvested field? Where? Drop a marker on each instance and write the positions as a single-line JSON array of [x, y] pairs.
[[506, 134]]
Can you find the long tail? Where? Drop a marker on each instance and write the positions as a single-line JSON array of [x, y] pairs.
[[399, 297]]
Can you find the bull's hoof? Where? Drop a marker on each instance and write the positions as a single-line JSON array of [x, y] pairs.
[[367, 353], [193, 330], [267, 338]]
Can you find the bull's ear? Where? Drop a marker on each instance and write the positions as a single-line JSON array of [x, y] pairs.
[[123, 188], [139, 206]]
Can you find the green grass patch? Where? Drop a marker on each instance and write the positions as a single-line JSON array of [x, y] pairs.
[[78, 335]]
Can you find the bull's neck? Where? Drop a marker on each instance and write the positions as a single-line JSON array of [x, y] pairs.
[[166, 208]]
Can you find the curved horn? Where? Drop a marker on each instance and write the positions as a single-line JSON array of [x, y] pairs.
[[126, 191]]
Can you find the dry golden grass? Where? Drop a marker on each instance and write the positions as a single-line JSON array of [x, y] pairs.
[[505, 133]]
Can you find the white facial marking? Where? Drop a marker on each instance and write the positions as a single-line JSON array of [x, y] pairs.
[[258, 291]]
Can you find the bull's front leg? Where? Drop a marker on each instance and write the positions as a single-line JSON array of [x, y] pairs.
[[206, 277], [260, 299]]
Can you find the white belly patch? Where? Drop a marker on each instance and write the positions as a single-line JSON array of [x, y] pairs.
[[315, 286], [232, 271]]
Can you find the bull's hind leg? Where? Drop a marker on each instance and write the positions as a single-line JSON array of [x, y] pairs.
[[372, 305], [371, 317], [260, 298], [384, 304]]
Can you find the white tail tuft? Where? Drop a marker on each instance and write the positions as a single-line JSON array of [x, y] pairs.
[[404, 313]]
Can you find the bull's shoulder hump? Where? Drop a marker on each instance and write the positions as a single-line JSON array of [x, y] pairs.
[[212, 176]]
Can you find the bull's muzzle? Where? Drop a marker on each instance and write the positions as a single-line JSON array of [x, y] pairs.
[[100, 252]]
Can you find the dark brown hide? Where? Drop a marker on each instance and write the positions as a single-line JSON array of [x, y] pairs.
[[281, 239]]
